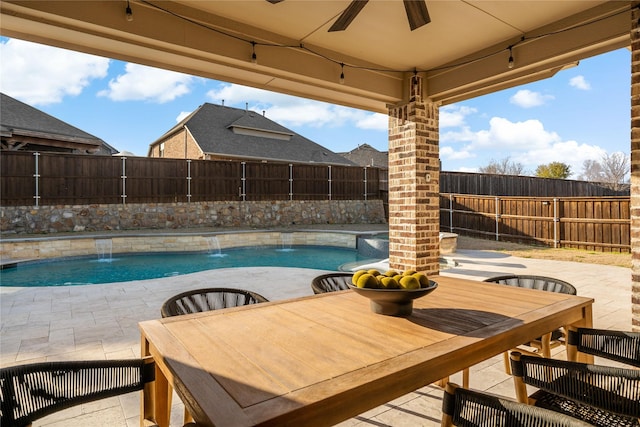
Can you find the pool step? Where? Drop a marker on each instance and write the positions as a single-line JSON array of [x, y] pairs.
[[10, 263]]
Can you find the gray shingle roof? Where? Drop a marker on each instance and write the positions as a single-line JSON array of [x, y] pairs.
[[213, 126], [19, 118], [366, 155]]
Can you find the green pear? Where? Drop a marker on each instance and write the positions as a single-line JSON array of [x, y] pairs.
[[367, 280], [409, 282], [356, 275], [389, 283]]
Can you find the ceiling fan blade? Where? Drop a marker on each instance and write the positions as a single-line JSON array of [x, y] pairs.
[[417, 13], [348, 15]]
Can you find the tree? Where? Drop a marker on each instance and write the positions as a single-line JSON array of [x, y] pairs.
[[591, 171], [554, 170], [615, 168], [503, 167], [612, 170]]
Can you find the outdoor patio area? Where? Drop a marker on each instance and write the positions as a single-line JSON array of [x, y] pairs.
[[101, 321]]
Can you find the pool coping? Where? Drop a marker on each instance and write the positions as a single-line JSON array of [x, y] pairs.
[[21, 249]]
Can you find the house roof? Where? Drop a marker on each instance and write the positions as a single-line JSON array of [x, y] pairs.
[[22, 122], [233, 132], [366, 155]]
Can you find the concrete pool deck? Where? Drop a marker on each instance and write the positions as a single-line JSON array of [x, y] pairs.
[[101, 321]]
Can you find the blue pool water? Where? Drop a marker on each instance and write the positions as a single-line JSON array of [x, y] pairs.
[[126, 267]]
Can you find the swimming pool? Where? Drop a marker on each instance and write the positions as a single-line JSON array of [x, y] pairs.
[[127, 267]]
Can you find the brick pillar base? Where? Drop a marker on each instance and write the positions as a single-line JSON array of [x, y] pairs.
[[414, 184], [635, 169]]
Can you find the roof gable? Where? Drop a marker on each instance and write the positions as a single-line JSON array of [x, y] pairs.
[[366, 155]]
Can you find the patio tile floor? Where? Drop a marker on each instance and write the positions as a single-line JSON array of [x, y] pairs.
[[100, 321]]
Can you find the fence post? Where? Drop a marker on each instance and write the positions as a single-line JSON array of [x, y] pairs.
[[329, 182], [37, 179], [451, 212], [556, 222], [290, 181], [243, 193], [188, 180], [365, 183], [124, 180], [497, 218]]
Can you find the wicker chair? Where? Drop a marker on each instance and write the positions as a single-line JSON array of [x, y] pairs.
[[331, 282], [469, 408], [33, 391], [545, 343], [621, 346], [208, 299], [200, 300], [599, 395]]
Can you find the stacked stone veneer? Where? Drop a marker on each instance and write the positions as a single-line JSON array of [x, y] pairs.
[[69, 246], [98, 218]]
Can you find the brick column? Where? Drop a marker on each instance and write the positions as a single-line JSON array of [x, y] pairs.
[[414, 183], [635, 169]]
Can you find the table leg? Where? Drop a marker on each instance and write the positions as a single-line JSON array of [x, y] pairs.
[[155, 407], [585, 322], [147, 398], [162, 399]]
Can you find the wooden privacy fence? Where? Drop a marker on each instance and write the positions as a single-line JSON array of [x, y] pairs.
[[34, 179], [591, 223]]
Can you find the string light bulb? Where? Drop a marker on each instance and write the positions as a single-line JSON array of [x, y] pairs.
[[254, 57], [128, 12], [511, 62], [341, 73]]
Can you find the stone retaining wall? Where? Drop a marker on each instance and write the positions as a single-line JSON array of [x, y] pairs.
[[173, 216]]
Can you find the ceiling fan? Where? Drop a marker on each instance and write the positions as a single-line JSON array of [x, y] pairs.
[[417, 13]]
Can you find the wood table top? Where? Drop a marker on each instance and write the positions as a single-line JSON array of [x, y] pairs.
[[322, 359]]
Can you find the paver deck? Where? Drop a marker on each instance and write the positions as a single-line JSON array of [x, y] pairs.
[[100, 321]]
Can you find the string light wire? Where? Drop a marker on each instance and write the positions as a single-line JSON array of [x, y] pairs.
[[342, 64]]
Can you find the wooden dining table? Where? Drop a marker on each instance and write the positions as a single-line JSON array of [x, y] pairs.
[[322, 359]]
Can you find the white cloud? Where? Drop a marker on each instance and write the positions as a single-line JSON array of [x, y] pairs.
[[571, 153], [450, 153], [466, 169], [142, 83], [374, 121], [526, 99], [291, 111], [520, 136], [43, 75], [579, 82], [454, 115], [526, 142], [182, 115]]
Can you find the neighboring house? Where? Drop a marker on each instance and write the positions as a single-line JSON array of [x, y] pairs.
[[216, 132], [24, 128], [366, 155]]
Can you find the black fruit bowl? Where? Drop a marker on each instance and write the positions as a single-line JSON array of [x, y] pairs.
[[394, 302]]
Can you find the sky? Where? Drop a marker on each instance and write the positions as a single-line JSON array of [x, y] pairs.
[[582, 113]]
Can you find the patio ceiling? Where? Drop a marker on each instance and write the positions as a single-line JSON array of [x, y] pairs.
[[463, 52]]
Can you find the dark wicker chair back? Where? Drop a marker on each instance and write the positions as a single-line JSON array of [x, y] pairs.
[[543, 283], [30, 392], [600, 395], [331, 282], [200, 300], [469, 408], [620, 346], [535, 282]]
